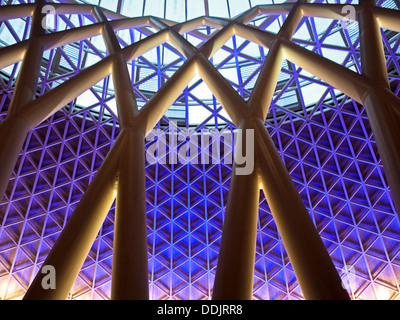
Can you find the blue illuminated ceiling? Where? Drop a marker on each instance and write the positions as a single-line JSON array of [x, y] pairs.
[[323, 137]]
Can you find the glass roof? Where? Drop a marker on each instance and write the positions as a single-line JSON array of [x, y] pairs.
[[238, 60]]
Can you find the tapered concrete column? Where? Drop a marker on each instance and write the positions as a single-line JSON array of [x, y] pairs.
[[13, 133], [311, 262], [383, 110], [382, 106], [25, 89], [130, 266], [72, 246], [124, 95], [235, 269]]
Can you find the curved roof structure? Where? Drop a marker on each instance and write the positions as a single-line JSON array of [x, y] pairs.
[[182, 73]]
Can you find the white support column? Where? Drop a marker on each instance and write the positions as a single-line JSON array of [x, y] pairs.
[[381, 104]]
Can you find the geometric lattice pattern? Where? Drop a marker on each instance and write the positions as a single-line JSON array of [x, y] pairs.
[[323, 137]]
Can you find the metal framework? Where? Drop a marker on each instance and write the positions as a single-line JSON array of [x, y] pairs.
[[122, 174]]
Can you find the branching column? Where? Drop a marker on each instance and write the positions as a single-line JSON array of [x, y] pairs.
[[382, 106], [314, 269], [312, 264], [122, 173], [129, 270]]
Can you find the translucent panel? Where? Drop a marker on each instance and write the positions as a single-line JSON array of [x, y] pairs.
[[311, 93], [197, 114], [335, 55], [219, 8], [175, 10], [302, 33], [259, 2], [230, 74], [91, 59], [7, 37], [87, 99], [132, 8], [237, 6], [154, 8], [98, 43], [200, 91], [109, 4], [18, 27]]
